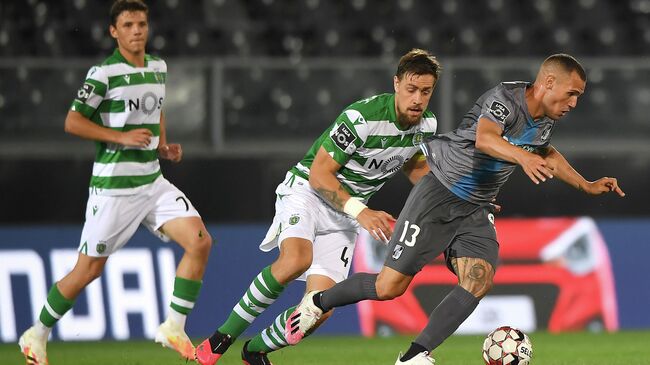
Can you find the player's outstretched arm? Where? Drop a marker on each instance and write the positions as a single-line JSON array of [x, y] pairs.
[[416, 167], [563, 170], [322, 178], [489, 141], [80, 126]]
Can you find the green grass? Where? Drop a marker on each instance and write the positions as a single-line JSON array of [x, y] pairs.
[[624, 348]]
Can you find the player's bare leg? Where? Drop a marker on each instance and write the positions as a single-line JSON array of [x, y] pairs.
[[191, 234]]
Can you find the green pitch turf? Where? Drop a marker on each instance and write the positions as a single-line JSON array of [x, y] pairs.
[[624, 348]]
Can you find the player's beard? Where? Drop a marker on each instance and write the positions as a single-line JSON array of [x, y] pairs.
[[405, 121]]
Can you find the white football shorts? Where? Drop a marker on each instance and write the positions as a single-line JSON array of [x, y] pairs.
[[112, 220], [301, 213]]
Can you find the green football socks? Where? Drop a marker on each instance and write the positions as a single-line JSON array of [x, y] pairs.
[[55, 307], [272, 337], [262, 292]]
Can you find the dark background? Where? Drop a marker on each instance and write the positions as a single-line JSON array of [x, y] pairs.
[[253, 82]]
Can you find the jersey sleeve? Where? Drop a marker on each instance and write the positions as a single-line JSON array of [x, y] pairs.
[[498, 108], [91, 93], [349, 132]]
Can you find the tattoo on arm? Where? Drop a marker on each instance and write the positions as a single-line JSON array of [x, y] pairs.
[[332, 196]]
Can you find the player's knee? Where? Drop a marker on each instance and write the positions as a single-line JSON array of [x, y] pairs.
[[388, 291], [200, 245], [295, 261], [294, 265]]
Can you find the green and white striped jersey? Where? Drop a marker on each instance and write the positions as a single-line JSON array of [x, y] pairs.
[[120, 96], [369, 144]]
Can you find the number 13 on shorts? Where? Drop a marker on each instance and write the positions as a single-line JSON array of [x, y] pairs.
[[409, 234]]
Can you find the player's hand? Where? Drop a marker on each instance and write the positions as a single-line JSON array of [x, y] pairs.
[[377, 223], [604, 185], [535, 167], [171, 151], [140, 137], [497, 207]]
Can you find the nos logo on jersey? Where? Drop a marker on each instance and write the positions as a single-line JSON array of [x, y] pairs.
[[147, 103], [343, 137], [390, 165], [499, 111]]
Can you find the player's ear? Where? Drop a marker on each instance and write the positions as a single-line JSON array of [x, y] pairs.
[[396, 83], [113, 31], [549, 81]]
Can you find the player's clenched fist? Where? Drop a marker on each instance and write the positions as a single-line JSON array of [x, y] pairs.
[[171, 151]]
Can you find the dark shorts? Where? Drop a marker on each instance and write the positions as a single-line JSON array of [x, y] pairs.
[[435, 221]]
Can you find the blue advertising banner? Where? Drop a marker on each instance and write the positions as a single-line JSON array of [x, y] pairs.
[[132, 296]]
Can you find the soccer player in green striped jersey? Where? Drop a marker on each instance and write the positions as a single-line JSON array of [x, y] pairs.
[[119, 107], [322, 202]]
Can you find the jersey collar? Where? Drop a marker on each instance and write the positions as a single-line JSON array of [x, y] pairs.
[[121, 58]]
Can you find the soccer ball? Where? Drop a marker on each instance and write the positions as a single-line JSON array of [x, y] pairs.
[[507, 346]]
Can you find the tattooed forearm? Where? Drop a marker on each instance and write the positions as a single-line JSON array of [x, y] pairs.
[[332, 196]]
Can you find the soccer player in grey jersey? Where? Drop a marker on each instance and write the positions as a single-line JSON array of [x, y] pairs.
[[119, 107], [321, 203], [449, 210]]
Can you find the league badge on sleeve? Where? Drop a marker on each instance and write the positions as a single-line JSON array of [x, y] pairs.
[[343, 137], [499, 111], [84, 92]]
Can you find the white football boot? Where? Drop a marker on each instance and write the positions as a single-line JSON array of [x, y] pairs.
[[172, 335], [303, 318], [422, 358], [33, 347]]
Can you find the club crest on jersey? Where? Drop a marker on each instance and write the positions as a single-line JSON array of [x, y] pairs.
[[343, 137], [499, 111], [397, 252], [418, 138], [491, 218], [101, 247], [84, 92], [294, 219]]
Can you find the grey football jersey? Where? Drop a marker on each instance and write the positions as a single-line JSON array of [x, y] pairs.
[[471, 174]]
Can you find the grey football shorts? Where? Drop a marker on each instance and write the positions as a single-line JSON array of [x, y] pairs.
[[433, 221]]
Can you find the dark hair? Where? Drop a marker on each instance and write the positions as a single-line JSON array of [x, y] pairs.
[[418, 62], [120, 6], [568, 63]]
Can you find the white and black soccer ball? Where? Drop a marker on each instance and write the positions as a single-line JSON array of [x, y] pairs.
[[507, 346]]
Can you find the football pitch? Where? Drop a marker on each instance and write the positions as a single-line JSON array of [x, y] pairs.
[[623, 348]]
